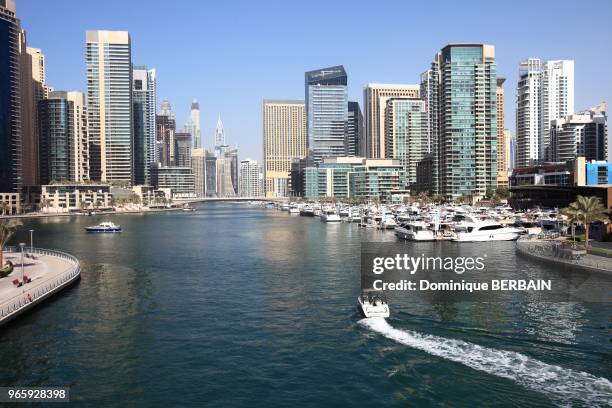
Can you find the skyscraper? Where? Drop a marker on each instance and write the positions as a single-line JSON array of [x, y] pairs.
[[284, 139], [62, 124], [220, 145], [250, 179], [375, 97], [545, 92], [327, 112], [406, 134], [12, 44], [56, 125], [210, 172], [429, 91], [144, 106], [198, 167], [502, 165], [467, 125], [33, 90], [193, 124], [80, 138], [183, 149], [354, 133], [165, 133], [109, 95]]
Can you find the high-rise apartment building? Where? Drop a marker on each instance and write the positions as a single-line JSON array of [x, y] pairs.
[[545, 92], [429, 92], [406, 134], [63, 142], [227, 174], [183, 149], [284, 139], [109, 96], [33, 90], [354, 133], [80, 137], [165, 132], [198, 167], [193, 124], [144, 102], [327, 112], [502, 165], [467, 119], [584, 134], [251, 179], [375, 97], [12, 45], [210, 163], [56, 125]]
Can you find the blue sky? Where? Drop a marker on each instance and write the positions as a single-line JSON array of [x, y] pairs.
[[232, 54]]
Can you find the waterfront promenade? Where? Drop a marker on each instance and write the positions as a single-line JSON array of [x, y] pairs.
[[545, 251], [49, 272]]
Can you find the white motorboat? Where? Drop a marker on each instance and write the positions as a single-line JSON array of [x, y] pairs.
[[330, 216], [414, 231], [106, 226], [372, 304], [486, 230]]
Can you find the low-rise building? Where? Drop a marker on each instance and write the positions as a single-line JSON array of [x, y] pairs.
[[10, 203], [180, 180], [343, 177], [63, 198]]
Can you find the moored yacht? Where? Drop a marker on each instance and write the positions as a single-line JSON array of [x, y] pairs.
[[307, 211], [106, 226], [485, 230], [414, 231], [372, 304]]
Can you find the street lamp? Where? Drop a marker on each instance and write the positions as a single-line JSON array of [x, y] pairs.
[[22, 246], [32, 241]]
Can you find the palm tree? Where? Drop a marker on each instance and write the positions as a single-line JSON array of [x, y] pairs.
[[588, 210], [7, 229], [573, 216]]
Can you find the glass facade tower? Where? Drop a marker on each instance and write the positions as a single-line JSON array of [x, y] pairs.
[[109, 95], [10, 115], [326, 112], [467, 119], [144, 103]]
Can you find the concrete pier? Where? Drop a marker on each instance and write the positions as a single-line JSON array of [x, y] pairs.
[[50, 271]]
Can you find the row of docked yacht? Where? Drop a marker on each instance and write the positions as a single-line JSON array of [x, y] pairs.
[[459, 223]]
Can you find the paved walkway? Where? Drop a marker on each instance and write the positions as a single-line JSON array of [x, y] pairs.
[[540, 249], [42, 269]]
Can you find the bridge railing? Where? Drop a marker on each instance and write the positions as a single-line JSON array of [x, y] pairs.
[[33, 290]]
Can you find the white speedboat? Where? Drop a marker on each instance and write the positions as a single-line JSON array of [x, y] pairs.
[[106, 226], [372, 304], [486, 230], [330, 216], [414, 231]]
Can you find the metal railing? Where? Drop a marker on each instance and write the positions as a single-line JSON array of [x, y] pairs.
[[36, 291]]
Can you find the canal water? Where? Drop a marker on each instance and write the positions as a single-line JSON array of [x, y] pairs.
[[237, 305]]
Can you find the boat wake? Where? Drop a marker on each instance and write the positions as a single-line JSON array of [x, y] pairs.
[[556, 382]]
